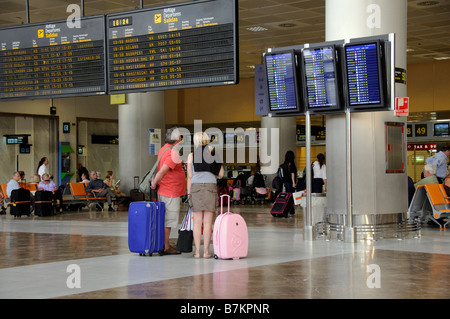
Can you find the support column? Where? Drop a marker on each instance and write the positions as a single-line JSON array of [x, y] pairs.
[[372, 198], [286, 141], [141, 112]]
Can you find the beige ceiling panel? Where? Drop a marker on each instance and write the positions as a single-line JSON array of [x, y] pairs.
[[9, 6], [277, 9], [266, 20], [251, 4], [249, 14], [309, 4], [106, 6], [301, 14]]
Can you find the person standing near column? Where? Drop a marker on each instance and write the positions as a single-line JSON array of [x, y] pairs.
[[440, 161], [171, 183], [43, 168]]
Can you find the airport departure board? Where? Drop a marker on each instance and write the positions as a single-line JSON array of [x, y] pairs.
[[321, 78], [364, 74], [281, 74], [51, 59], [185, 45]]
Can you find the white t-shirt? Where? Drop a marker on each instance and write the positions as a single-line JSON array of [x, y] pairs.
[[42, 170], [319, 172]]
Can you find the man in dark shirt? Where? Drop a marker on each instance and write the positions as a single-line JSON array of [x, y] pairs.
[[97, 186]]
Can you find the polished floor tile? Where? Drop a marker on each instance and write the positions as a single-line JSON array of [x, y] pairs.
[[38, 256]]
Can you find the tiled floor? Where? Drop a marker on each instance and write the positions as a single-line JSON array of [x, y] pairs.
[[36, 256]]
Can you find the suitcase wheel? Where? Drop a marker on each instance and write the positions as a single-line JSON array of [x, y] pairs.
[[216, 257], [161, 252]]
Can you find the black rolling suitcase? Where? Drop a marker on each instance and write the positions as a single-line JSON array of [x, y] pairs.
[[283, 205], [20, 202], [43, 203], [135, 194]]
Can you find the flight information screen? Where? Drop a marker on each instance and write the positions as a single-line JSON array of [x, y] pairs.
[[363, 74], [321, 77], [53, 60], [281, 80], [186, 45]]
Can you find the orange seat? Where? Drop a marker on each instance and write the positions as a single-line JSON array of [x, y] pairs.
[[29, 186], [78, 191], [430, 202], [3, 189]]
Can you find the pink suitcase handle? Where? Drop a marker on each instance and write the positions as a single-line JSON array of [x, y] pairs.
[[221, 203]]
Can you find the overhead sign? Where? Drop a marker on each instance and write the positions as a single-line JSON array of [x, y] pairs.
[[52, 60], [185, 45]]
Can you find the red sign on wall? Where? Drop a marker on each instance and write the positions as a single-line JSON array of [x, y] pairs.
[[401, 106], [422, 147]]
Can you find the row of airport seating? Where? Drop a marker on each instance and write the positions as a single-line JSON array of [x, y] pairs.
[[430, 203], [74, 194]]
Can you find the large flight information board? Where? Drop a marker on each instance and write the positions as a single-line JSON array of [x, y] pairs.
[[321, 77], [363, 74], [51, 59], [186, 45], [281, 81]]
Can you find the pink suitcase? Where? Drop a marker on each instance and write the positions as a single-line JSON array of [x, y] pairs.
[[230, 234]]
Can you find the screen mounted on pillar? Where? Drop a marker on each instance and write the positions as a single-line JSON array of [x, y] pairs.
[[322, 78], [282, 77], [365, 76]]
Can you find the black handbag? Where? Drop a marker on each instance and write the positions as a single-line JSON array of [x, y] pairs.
[[185, 233]]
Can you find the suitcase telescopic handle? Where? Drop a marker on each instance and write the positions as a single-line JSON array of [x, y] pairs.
[[221, 202]]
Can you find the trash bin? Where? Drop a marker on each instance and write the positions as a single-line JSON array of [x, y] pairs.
[[318, 207]]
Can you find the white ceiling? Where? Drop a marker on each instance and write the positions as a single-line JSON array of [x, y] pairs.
[[428, 26]]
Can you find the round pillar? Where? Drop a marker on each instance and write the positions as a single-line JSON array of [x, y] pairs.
[[377, 202], [280, 138], [141, 112]]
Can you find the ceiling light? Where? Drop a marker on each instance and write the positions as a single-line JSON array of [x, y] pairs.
[[256, 29], [443, 58]]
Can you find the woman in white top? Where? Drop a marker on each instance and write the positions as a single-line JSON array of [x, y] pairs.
[[320, 174], [43, 167]]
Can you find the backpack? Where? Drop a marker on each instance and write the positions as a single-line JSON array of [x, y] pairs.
[[283, 172], [144, 186], [277, 183], [312, 172]]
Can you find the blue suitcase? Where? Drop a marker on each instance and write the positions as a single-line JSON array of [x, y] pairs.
[[146, 228]]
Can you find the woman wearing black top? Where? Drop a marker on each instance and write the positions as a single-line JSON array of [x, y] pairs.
[[290, 172]]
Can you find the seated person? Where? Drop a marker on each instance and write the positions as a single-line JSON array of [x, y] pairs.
[[48, 185], [84, 178], [13, 183], [98, 187], [22, 178], [429, 173], [111, 183], [447, 184]]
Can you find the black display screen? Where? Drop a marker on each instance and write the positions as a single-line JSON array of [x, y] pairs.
[[365, 83], [186, 45], [321, 78], [441, 129], [281, 71], [52, 60]]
